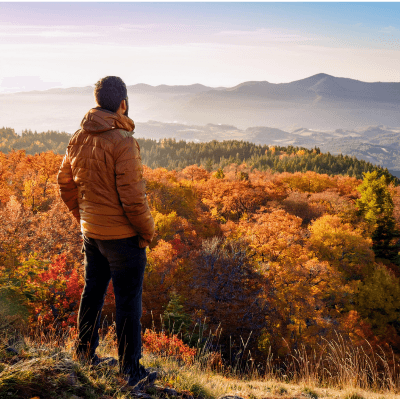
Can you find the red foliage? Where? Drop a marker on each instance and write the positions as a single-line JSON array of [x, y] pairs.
[[168, 346], [61, 288]]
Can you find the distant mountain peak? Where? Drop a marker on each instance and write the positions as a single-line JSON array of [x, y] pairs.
[[301, 129], [321, 76], [312, 80]]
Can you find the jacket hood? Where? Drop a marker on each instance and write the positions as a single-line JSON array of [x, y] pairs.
[[99, 120]]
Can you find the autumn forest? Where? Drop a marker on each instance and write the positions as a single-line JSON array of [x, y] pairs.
[[283, 257], [213, 155]]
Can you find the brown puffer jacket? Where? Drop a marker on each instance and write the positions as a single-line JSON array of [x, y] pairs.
[[101, 179]]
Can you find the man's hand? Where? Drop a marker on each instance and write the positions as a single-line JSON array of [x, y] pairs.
[[143, 243]]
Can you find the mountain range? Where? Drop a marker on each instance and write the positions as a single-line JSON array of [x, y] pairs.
[[319, 102]]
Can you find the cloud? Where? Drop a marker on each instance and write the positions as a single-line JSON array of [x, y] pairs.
[[61, 33], [55, 33], [390, 30], [48, 31], [136, 28], [265, 35]]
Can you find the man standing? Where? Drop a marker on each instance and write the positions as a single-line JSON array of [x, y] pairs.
[[101, 182]]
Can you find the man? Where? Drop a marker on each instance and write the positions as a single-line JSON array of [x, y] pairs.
[[101, 182]]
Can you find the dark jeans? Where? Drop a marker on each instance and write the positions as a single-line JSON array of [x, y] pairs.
[[124, 262]]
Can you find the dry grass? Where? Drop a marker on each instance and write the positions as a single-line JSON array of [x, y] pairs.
[[212, 385], [338, 363], [45, 368]]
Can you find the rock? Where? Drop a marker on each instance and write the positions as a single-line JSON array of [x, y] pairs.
[[170, 391], [141, 395], [186, 395], [14, 360], [72, 379], [10, 349]]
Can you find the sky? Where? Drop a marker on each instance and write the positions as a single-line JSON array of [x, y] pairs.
[[46, 45]]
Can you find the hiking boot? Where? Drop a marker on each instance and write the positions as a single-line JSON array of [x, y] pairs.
[[96, 360], [106, 361], [139, 380]]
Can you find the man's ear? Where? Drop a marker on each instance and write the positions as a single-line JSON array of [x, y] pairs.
[[122, 107]]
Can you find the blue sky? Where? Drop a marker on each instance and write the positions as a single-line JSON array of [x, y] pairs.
[[47, 45]]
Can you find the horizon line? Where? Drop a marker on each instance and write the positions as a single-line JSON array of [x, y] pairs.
[[194, 84]]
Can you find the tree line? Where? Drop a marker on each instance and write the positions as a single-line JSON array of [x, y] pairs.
[[177, 155]]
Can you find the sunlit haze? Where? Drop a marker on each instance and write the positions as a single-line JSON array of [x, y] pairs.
[[46, 45]]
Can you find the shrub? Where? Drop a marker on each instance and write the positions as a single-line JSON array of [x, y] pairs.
[[168, 346]]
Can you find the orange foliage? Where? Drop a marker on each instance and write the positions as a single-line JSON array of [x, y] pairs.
[[194, 172], [232, 199], [280, 255], [271, 233], [297, 280], [164, 272]]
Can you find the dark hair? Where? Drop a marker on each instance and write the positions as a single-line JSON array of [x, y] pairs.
[[109, 92]]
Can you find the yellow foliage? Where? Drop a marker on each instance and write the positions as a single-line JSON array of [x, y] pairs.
[[166, 224], [308, 182], [341, 245]]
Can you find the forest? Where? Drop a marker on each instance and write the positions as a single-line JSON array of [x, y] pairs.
[[283, 260], [213, 155]]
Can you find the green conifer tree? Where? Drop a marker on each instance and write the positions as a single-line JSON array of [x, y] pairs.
[[219, 174], [177, 320]]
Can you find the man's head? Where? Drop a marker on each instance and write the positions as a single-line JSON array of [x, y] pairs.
[[109, 92]]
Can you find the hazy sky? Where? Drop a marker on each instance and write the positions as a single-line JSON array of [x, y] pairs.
[[44, 45]]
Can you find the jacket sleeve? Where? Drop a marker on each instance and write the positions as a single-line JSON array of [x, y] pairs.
[[68, 188], [131, 188]]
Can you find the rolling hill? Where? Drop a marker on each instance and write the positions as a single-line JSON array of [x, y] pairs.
[[319, 102]]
